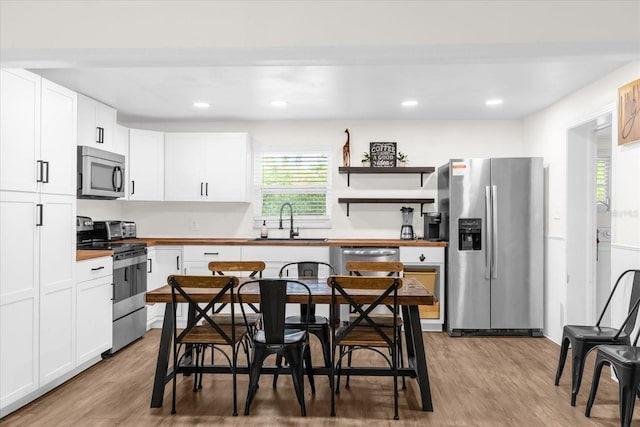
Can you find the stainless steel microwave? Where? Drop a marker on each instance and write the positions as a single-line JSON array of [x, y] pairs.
[[100, 174]]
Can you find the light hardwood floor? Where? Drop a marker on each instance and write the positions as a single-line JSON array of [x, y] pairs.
[[475, 381]]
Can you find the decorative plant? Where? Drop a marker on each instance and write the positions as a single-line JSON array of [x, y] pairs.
[[402, 157], [366, 157]]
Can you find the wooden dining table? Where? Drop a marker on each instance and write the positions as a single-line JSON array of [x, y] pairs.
[[411, 295]]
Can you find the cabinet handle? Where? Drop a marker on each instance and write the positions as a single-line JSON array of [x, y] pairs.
[[45, 180], [97, 268], [201, 188], [113, 292], [178, 263], [150, 266], [212, 253], [40, 215], [40, 167], [99, 135], [133, 187], [206, 189]]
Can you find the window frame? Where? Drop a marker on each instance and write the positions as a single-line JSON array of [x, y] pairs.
[[307, 221]]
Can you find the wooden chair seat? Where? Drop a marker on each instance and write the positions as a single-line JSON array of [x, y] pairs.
[[225, 319], [365, 335], [205, 334], [382, 319]]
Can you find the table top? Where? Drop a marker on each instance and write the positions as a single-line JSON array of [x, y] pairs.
[[411, 293]]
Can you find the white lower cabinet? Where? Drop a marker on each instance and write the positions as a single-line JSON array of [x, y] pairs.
[[163, 261], [94, 294], [197, 257]]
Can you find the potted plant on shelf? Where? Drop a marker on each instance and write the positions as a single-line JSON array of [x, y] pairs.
[[366, 160], [402, 159]]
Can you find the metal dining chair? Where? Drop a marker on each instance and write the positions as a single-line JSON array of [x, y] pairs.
[[271, 337], [363, 332], [203, 330], [318, 325], [584, 338], [625, 362]]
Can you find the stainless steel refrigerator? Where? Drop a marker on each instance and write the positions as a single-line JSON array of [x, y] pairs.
[[492, 217]]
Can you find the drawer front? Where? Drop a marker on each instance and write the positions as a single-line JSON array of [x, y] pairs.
[[205, 253], [94, 268], [421, 255]]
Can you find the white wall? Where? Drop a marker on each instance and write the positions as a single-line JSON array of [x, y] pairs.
[[428, 143], [545, 134]]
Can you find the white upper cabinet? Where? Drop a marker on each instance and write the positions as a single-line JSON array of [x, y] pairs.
[[38, 140], [20, 130], [58, 139], [213, 167], [146, 165], [96, 123]]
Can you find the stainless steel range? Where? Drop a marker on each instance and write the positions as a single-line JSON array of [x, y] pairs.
[[129, 275]]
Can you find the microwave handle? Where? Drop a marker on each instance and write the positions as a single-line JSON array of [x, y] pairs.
[[116, 178]]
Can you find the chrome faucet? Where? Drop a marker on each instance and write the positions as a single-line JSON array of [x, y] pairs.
[[292, 233]]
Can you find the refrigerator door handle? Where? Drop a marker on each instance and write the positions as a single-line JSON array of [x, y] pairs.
[[494, 231], [488, 233]]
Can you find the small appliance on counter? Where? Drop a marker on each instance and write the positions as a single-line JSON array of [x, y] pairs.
[[129, 275], [406, 231], [432, 221]]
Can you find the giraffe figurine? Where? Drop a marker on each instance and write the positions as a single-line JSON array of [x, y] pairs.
[[346, 159]]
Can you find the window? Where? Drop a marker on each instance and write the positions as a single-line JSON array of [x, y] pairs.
[[297, 176], [602, 180]]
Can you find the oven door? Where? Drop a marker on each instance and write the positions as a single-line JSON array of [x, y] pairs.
[[129, 282]]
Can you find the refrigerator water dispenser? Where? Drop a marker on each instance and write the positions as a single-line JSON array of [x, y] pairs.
[[469, 234]]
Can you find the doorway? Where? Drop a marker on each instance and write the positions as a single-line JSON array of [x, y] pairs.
[[587, 212]]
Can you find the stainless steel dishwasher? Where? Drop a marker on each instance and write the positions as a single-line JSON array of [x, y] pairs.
[[341, 255]]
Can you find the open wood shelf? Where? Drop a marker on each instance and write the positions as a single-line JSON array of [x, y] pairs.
[[403, 170], [377, 200]]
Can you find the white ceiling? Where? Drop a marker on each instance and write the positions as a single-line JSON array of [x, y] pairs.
[[336, 78]]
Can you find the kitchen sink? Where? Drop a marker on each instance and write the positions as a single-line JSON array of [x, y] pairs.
[[287, 239]]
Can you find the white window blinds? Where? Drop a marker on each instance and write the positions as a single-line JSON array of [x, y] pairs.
[[301, 178]]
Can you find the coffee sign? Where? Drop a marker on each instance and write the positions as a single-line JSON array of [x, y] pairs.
[[383, 154]]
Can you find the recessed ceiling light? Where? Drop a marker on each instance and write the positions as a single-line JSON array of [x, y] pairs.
[[279, 103], [493, 102], [201, 104], [409, 103]]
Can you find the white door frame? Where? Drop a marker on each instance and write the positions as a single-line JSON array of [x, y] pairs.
[[581, 218]]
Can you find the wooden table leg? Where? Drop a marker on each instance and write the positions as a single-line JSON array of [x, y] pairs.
[[416, 353], [162, 364]]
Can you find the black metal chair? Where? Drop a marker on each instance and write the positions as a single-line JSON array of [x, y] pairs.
[[584, 338], [274, 338], [318, 325], [202, 330], [364, 332], [379, 268], [625, 362]]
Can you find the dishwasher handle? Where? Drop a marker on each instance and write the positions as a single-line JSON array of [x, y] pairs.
[[370, 252]]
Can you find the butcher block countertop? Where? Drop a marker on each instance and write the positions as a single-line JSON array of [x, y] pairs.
[[178, 241], [287, 242], [83, 255]]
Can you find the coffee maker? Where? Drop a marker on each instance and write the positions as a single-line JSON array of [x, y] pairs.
[[406, 231], [432, 222]]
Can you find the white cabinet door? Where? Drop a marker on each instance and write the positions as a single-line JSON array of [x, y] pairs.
[[19, 129], [58, 131], [19, 296], [210, 167], [94, 308], [96, 123], [57, 286], [184, 177], [164, 261], [197, 257], [146, 165], [227, 165]]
